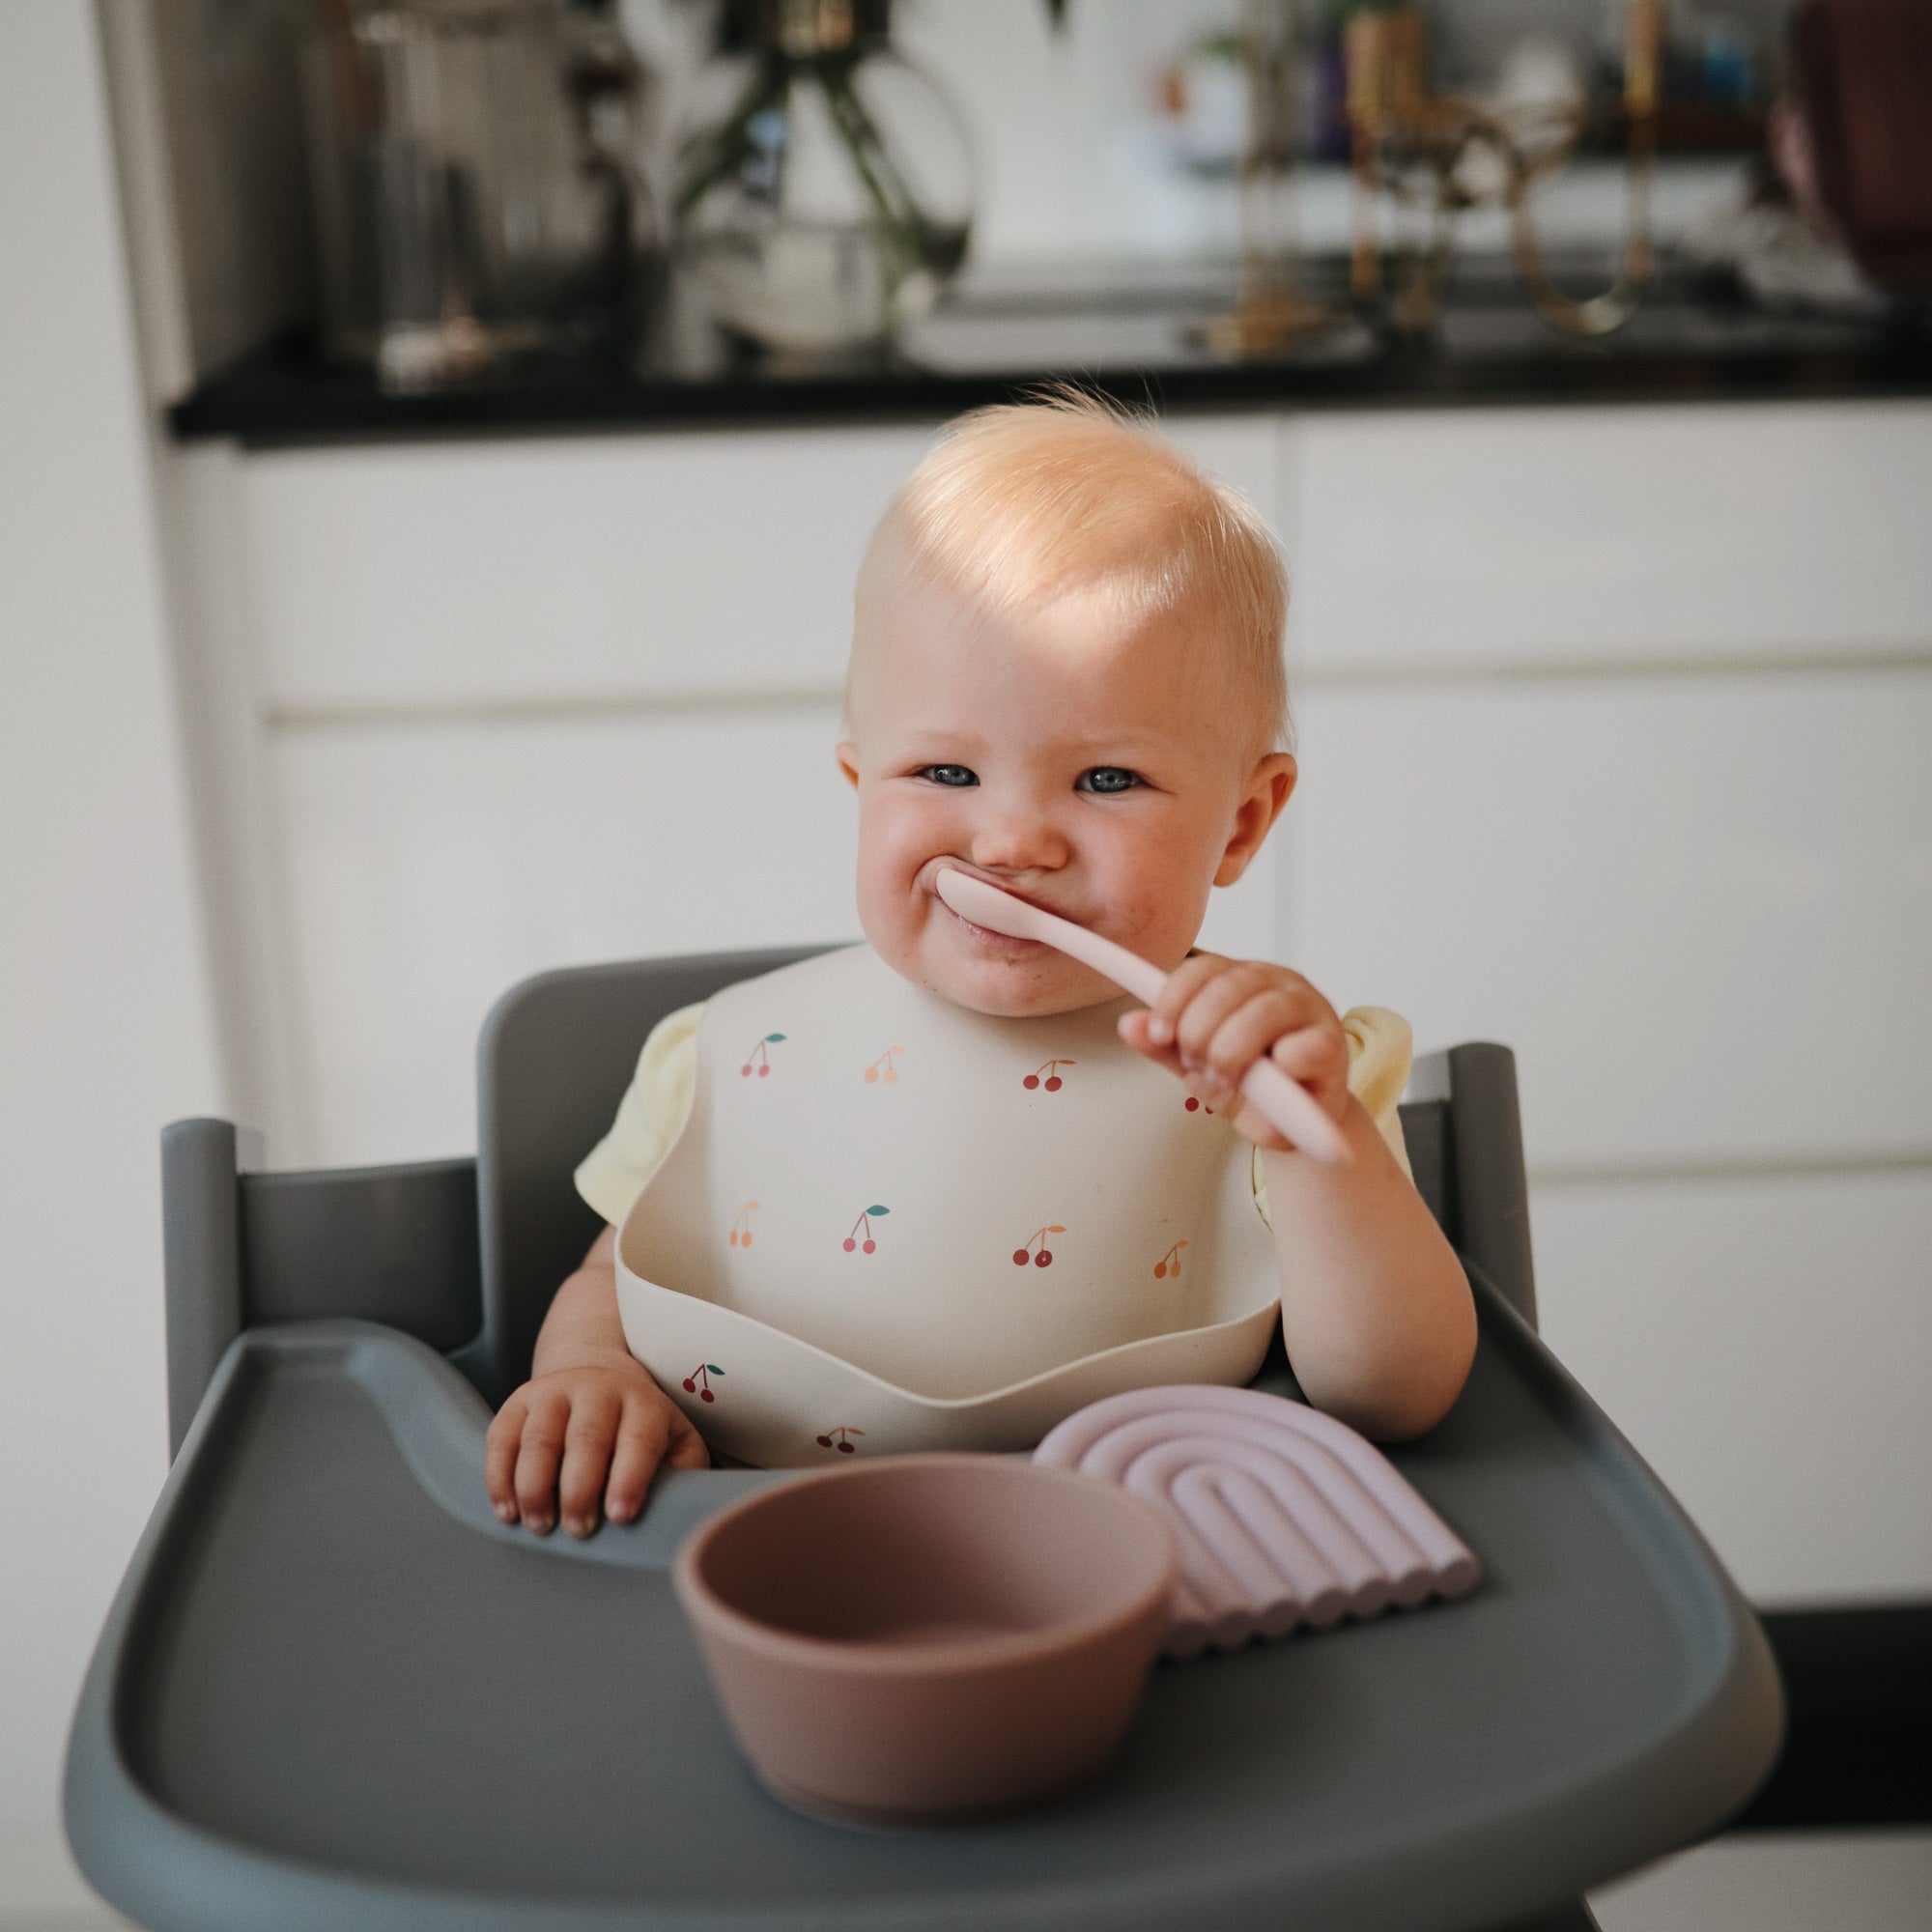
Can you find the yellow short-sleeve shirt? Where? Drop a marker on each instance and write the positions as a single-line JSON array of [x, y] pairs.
[[659, 1097]]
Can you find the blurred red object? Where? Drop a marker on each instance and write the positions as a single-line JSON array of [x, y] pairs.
[[1864, 85]]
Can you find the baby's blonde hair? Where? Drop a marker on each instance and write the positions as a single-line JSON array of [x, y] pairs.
[[1023, 501]]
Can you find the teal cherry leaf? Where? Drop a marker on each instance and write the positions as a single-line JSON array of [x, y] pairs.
[[878, 1210], [772, 1039], [714, 1368]]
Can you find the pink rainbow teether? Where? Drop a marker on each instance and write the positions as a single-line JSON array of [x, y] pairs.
[[1290, 1108], [1283, 1516]]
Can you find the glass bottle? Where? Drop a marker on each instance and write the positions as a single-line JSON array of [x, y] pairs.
[[825, 193]]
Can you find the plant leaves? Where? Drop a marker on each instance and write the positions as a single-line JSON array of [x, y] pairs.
[[774, 1038], [714, 1368], [878, 1210]]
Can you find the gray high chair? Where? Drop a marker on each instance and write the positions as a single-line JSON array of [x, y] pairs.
[[333, 1691]]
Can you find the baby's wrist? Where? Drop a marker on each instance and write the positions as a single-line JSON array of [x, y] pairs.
[[593, 1357]]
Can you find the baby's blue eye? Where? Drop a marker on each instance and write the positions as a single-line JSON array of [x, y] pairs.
[[948, 775], [1107, 779]]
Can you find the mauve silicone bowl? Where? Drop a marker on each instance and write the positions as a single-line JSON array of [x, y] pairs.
[[929, 1636]]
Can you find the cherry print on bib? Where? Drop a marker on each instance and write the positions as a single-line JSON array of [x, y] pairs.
[[740, 1235], [882, 1070], [1169, 1263], [1194, 1106], [759, 1061], [841, 1439], [861, 1237], [1044, 1258], [1047, 1075], [699, 1382]]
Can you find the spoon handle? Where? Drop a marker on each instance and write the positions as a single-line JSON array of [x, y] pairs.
[[1292, 1108]]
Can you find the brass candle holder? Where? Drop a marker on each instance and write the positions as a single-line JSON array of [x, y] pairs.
[[1272, 314], [1427, 153]]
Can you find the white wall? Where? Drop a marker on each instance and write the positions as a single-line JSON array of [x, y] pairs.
[[103, 1028]]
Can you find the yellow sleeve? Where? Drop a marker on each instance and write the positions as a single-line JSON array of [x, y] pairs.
[[648, 1118], [1381, 1048]]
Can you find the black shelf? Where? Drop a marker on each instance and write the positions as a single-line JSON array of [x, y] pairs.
[[1139, 343]]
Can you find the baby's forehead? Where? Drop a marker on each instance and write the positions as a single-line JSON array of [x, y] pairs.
[[1088, 667]]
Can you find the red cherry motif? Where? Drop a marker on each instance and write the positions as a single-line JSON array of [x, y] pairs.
[[1044, 1259], [759, 1060], [1193, 1105], [702, 1374], [1054, 1083], [863, 1227], [1030, 1082]]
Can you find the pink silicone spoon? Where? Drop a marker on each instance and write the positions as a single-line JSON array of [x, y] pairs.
[[1290, 1108]]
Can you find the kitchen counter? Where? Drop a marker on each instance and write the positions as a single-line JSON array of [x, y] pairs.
[[1132, 334]]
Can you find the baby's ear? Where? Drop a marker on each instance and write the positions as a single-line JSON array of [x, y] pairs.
[[1268, 787], [848, 763]]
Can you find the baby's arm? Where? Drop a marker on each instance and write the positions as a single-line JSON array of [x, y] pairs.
[[1376, 1310], [589, 1425]]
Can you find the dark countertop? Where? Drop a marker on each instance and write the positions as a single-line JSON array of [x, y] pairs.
[[1129, 336]]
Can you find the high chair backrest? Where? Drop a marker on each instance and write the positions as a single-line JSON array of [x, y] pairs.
[[467, 1254]]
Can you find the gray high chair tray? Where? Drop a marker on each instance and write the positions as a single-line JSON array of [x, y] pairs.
[[334, 1691]]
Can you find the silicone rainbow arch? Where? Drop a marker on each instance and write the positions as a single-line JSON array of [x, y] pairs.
[[1283, 1516]]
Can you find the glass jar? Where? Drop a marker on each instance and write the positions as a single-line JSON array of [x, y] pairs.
[[826, 188], [475, 184]]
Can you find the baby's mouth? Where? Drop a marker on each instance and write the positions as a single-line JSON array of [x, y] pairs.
[[982, 935]]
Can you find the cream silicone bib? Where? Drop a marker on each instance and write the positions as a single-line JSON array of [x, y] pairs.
[[890, 1223]]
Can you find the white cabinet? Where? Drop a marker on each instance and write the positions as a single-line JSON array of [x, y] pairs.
[[563, 571], [1470, 540], [428, 870], [1701, 909], [1764, 1341]]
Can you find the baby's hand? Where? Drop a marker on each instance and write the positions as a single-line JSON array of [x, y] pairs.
[[593, 1432], [1215, 1017]]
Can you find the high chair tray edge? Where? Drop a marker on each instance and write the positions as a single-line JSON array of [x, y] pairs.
[[334, 1691]]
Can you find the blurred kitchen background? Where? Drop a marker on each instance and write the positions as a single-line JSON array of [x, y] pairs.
[[435, 441]]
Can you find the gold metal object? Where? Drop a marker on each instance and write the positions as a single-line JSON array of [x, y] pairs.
[[1271, 314], [1414, 150]]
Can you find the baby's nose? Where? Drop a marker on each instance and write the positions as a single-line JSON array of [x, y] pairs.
[[1018, 842]]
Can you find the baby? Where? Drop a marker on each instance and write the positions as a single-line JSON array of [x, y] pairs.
[[1066, 677]]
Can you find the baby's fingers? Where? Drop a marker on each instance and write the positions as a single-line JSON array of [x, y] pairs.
[[499, 1456], [654, 1432], [1248, 1030], [641, 1439], [537, 1458], [1136, 1029], [1182, 984], [586, 1458], [687, 1449]]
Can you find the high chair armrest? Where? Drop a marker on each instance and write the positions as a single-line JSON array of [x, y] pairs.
[[391, 1244]]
